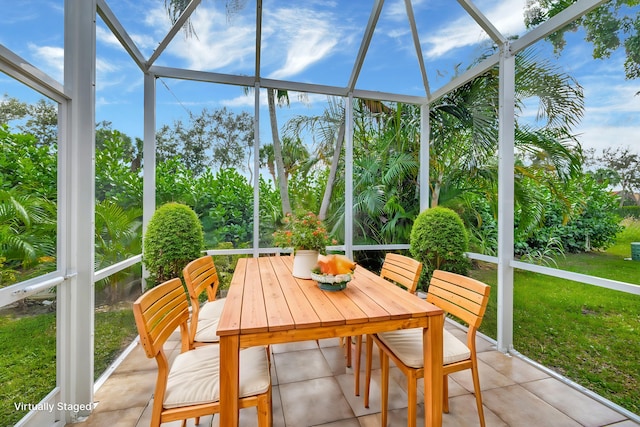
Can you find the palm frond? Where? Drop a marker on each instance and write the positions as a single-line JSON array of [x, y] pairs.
[[560, 96]]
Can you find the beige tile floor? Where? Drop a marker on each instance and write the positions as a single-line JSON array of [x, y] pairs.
[[313, 387]]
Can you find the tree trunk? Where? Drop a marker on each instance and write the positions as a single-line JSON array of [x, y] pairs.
[[324, 207], [277, 154], [272, 172], [434, 196], [435, 191]]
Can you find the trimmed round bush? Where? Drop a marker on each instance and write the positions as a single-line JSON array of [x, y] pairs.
[[439, 240], [173, 239]]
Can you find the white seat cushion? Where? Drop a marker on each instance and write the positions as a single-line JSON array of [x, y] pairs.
[[211, 309], [407, 345], [208, 318], [194, 377], [206, 331]]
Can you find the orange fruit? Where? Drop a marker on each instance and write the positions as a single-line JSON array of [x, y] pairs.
[[335, 264]]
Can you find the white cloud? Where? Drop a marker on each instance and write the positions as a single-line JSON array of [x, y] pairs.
[[240, 101], [296, 99], [619, 99], [461, 33], [309, 47], [299, 38], [105, 36], [52, 57], [600, 137], [156, 18], [611, 115], [505, 15], [216, 43], [144, 41], [396, 10], [105, 66], [101, 101]]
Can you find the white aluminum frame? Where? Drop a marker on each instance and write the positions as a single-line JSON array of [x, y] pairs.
[[506, 163], [76, 296]]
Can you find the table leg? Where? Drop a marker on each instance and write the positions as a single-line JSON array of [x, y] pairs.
[[229, 380], [432, 340]]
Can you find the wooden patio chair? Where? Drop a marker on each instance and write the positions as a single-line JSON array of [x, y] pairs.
[[460, 296], [401, 270], [190, 387], [200, 275]]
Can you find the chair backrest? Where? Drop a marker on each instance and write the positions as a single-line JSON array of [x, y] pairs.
[[402, 270], [200, 275], [158, 313], [460, 296]]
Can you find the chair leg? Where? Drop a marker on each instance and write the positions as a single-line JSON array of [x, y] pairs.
[[445, 394], [412, 392], [156, 418], [357, 367], [476, 388], [367, 368], [347, 343], [384, 386], [264, 410]]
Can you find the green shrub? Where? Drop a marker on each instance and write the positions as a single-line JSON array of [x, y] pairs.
[[439, 240], [629, 211], [173, 238]]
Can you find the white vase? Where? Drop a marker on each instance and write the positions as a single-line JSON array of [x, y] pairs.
[[303, 262]]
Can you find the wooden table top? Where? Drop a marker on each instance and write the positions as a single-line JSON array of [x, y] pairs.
[[264, 298]]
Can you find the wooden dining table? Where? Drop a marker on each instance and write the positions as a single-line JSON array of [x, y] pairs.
[[267, 305]]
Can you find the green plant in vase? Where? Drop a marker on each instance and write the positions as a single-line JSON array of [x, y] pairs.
[[307, 235]]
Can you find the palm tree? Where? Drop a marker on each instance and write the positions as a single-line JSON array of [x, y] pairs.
[[464, 135], [27, 231], [295, 156], [117, 237], [385, 170], [283, 99], [328, 135]]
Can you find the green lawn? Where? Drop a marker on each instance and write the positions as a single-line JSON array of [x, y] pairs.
[[28, 363], [28, 349], [589, 334]]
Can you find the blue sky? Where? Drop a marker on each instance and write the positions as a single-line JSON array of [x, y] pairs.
[[314, 41]]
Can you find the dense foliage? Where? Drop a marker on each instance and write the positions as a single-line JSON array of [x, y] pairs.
[[173, 239], [632, 211], [27, 207], [592, 223], [581, 215], [550, 198]]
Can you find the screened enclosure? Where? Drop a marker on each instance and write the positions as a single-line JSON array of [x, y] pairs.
[[366, 112]]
